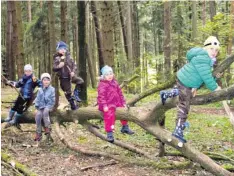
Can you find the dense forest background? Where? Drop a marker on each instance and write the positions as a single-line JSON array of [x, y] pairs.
[[148, 38]]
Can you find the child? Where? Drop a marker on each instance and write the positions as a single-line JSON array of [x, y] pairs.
[[26, 84], [109, 98], [44, 103], [66, 69], [191, 76]]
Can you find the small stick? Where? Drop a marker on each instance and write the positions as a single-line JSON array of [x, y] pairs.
[[98, 165]]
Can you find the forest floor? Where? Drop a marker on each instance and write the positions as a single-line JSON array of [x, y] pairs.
[[210, 131]]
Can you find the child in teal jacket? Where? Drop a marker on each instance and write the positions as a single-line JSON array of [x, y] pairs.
[[191, 76]]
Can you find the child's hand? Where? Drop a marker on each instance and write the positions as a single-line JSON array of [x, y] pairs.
[[219, 75], [218, 88], [61, 64], [35, 112], [126, 107], [72, 74], [194, 92], [105, 109]]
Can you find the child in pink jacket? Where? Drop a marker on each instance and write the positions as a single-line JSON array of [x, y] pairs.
[[109, 98]]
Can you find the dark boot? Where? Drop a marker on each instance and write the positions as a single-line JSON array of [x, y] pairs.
[[73, 105], [110, 137], [126, 129], [164, 94], [76, 95], [179, 132], [38, 137], [10, 116]]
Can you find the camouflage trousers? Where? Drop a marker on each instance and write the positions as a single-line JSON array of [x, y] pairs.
[[185, 95]]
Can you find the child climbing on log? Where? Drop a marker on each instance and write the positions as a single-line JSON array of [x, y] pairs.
[[44, 103], [66, 70], [110, 97], [191, 76], [26, 84]]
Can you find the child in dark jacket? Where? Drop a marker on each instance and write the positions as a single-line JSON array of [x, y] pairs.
[[66, 69], [27, 84], [109, 98], [191, 76], [44, 103]]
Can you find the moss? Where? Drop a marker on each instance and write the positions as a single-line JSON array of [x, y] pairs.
[[22, 168]]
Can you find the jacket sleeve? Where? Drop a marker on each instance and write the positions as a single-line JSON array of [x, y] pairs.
[[51, 103], [121, 95], [56, 64], [101, 95], [204, 70], [19, 83], [37, 100]]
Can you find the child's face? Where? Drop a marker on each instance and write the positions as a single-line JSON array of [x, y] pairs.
[[46, 82], [212, 52], [62, 51], [27, 72], [109, 77]]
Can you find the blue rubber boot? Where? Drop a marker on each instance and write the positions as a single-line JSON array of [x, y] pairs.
[[126, 129], [73, 105], [110, 137], [179, 132], [76, 95], [16, 119], [10, 116]]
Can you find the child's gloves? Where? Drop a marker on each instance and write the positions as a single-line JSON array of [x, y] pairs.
[[105, 109], [218, 88], [61, 64], [72, 74]]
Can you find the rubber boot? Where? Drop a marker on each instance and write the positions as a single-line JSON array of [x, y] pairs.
[[15, 120], [110, 137], [76, 95], [126, 129], [10, 116], [179, 132], [38, 137]]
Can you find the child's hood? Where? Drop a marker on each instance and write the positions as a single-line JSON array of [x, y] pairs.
[[195, 52]]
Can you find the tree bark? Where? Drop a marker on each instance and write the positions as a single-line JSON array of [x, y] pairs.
[[20, 35], [107, 31], [167, 37], [81, 38], [29, 11], [63, 8], [204, 12], [212, 8], [98, 35], [194, 20], [52, 47]]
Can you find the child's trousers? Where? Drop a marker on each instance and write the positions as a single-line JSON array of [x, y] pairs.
[[42, 114], [185, 95], [109, 120]]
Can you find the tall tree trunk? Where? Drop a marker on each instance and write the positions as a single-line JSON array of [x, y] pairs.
[[212, 9], [19, 48], [194, 20], [98, 35], [230, 40], [123, 27], [167, 37], [52, 47], [63, 16], [204, 12], [29, 11], [82, 59], [107, 28], [135, 38], [10, 62], [129, 35]]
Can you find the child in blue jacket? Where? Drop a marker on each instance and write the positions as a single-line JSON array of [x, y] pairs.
[[44, 103], [27, 84]]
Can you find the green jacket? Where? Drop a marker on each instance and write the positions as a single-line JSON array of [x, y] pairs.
[[197, 70]]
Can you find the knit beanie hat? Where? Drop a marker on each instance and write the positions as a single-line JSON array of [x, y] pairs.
[[28, 67], [106, 70], [212, 42], [45, 75], [61, 45]]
